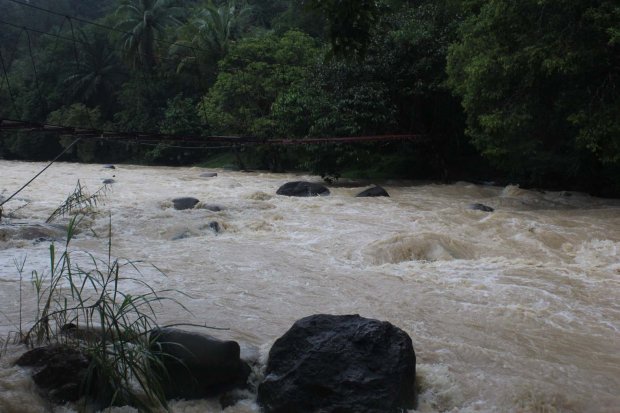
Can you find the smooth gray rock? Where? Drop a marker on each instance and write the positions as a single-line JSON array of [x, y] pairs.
[[184, 203], [109, 166], [208, 174], [197, 365], [374, 191], [339, 363], [303, 189], [481, 207]]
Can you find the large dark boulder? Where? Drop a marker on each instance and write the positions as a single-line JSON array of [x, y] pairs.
[[184, 203], [374, 191], [302, 188], [197, 365], [60, 371], [339, 364]]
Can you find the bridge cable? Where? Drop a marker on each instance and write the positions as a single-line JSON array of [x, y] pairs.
[[40, 172], [6, 68], [36, 75], [8, 84], [49, 65], [68, 39], [77, 66], [102, 26]]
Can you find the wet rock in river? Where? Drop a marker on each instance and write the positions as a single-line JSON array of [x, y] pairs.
[[197, 365], [109, 181], [31, 231], [181, 235], [481, 207], [109, 166], [339, 363], [184, 203], [212, 207], [208, 174], [302, 188], [215, 226], [60, 371], [374, 191]]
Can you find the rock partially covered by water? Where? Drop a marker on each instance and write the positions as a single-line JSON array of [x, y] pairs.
[[302, 188], [60, 371], [213, 207], [481, 207], [374, 191], [208, 174], [197, 365], [32, 231], [184, 203], [340, 363], [215, 226], [108, 181], [109, 166]]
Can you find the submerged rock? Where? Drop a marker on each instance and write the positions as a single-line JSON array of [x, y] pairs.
[[109, 166], [181, 235], [197, 365], [339, 363], [215, 226], [184, 203], [302, 188], [32, 232], [208, 174], [213, 207], [374, 191], [481, 207], [108, 181]]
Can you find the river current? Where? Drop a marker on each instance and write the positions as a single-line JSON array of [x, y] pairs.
[[514, 310]]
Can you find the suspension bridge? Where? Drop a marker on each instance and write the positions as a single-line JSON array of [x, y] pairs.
[[12, 124]]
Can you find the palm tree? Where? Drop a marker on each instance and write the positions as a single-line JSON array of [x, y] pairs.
[[219, 26], [143, 21], [96, 75], [210, 33]]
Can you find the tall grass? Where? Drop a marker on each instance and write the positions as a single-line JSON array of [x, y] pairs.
[[79, 201], [81, 304]]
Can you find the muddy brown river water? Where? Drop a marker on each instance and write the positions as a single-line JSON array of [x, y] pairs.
[[515, 310]]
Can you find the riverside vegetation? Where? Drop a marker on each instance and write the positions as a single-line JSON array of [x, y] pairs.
[[525, 92], [81, 309]]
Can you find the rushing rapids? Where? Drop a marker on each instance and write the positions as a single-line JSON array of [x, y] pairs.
[[512, 310]]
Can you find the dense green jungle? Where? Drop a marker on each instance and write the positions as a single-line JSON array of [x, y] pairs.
[[523, 92]]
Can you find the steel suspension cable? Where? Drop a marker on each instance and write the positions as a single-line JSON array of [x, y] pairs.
[[40, 172], [8, 84], [102, 26]]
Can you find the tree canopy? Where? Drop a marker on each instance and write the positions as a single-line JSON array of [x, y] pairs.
[[539, 83], [523, 92]]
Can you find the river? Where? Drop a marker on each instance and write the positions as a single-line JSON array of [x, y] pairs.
[[515, 310]]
